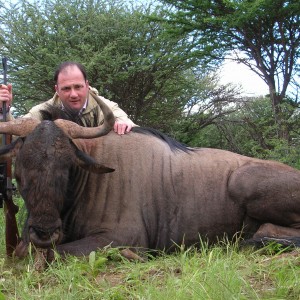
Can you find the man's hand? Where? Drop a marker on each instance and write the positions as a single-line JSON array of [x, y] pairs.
[[6, 94], [122, 127]]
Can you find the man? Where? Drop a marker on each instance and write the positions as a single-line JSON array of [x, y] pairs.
[[73, 95]]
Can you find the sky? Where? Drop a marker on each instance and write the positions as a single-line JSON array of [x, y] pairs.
[[239, 74]]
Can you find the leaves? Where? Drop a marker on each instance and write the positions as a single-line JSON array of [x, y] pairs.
[[96, 263], [127, 57], [264, 35]]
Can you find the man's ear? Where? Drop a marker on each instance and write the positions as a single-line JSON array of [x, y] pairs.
[[56, 88]]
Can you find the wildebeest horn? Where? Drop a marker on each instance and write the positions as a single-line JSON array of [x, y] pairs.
[[76, 131], [19, 127], [24, 126]]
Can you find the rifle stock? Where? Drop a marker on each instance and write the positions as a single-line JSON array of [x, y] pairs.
[[6, 193]]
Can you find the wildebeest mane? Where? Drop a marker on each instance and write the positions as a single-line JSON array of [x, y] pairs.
[[173, 144]]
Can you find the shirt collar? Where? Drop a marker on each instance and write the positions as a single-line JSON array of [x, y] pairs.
[[84, 106]]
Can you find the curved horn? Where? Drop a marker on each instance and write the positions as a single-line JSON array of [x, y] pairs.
[[19, 127], [24, 126], [75, 131]]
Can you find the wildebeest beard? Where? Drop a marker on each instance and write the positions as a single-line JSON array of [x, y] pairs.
[[52, 113]]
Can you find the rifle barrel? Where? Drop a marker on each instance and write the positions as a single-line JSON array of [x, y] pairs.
[[3, 166], [4, 65]]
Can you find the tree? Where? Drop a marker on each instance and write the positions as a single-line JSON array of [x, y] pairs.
[[127, 57], [208, 103], [250, 130], [264, 34]]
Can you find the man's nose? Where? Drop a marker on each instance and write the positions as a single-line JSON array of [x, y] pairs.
[[73, 93]]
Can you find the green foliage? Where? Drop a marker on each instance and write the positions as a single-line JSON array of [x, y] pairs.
[[252, 131], [208, 136], [264, 35], [128, 58], [218, 272], [206, 102], [249, 130], [269, 27]]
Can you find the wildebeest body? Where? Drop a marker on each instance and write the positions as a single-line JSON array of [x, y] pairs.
[[157, 197]]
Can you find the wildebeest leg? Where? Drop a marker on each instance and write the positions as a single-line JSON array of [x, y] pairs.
[[285, 236], [86, 245], [269, 193], [83, 246], [274, 233]]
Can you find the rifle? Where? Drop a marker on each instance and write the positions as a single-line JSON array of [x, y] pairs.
[[6, 186]]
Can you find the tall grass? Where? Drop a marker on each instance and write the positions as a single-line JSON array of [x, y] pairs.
[[219, 272]]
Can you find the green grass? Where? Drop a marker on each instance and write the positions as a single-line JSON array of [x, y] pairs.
[[219, 272]]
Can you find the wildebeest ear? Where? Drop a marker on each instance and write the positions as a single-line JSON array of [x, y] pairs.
[[88, 163], [11, 150]]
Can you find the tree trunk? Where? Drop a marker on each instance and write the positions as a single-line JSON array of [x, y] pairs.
[[282, 130]]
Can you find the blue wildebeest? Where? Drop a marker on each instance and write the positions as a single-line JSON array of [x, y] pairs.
[[159, 195]]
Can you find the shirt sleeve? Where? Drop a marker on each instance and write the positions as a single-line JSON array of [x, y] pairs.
[[119, 114], [34, 112]]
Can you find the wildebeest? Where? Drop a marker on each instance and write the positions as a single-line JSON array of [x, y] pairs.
[[142, 190]]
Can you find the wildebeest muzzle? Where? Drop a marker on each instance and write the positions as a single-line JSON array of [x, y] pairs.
[[45, 237]]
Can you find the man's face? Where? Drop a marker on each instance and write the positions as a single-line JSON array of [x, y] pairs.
[[71, 88]]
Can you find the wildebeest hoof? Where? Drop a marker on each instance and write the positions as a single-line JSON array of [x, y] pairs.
[[130, 255], [21, 249]]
